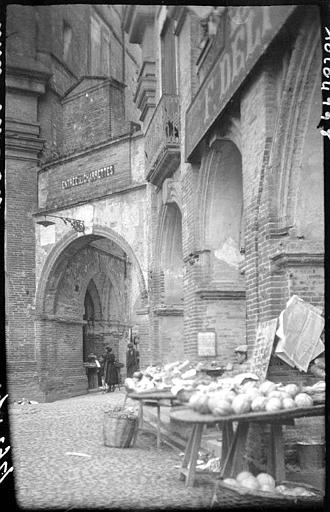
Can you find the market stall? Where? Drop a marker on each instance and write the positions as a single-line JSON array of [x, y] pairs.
[[234, 440], [154, 398]]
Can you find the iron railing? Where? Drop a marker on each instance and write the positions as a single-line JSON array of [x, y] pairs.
[[164, 129]]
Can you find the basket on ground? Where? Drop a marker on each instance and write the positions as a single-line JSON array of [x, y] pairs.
[[119, 428], [239, 496]]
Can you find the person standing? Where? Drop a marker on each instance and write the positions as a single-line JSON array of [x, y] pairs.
[[132, 360], [110, 370]]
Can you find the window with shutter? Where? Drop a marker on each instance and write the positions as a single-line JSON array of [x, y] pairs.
[[168, 58], [100, 48]]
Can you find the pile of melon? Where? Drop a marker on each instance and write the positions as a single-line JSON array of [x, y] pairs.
[[265, 482], [250, 397]]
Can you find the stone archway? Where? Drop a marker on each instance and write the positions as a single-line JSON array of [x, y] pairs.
[[168, 285], [73, 264]]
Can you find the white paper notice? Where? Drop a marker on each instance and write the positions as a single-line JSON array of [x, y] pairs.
[[206, 343], [47, 235]]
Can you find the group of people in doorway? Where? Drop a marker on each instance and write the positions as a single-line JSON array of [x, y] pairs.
[[109, 371]]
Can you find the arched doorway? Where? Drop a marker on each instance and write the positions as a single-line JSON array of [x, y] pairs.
[[221, 290], [169, 286], [84, 303]]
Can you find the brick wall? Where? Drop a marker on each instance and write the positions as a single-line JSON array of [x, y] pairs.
[[20, 260]]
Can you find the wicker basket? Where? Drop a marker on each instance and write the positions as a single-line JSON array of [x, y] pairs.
[[118, 431], [226, 495]]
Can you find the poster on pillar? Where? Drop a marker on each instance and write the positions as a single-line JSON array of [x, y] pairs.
[[206, 343], [263, 348]]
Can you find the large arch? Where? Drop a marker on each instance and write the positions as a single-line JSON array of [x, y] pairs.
[[221, 217], [66, 243], [74, 262], [296, 124]]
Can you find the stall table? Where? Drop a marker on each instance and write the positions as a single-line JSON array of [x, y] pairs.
[[151, 398], [234, 443]]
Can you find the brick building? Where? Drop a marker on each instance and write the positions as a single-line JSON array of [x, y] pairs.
[[229, 101], [185, 140]]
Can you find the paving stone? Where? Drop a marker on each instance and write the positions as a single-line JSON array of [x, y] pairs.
[[46, 476]]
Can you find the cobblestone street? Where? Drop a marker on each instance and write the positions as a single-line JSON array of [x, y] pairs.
[[46, 476]]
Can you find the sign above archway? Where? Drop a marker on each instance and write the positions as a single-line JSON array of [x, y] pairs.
[[244, 45]]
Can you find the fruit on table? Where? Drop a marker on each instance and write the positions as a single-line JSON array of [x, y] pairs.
[[253, 393], [291, 389], [275, 394], [266, 387], [220, 407], [288, 403], [259, 403], [241, 404], [303, 400], [273, 404], [199, 402]]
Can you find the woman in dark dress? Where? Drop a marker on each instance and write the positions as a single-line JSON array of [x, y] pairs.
[[110, 370]]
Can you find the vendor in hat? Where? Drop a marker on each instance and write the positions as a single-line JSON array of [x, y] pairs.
[[241, 353], [240, 365]]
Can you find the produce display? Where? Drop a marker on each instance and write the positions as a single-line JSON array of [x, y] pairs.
[[265, 482], [226, 397], [172, 377]]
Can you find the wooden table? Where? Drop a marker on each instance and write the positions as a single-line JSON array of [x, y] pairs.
[[151, 398], [234, 442]]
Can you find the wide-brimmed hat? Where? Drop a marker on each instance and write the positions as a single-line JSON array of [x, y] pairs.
[[241, 348]]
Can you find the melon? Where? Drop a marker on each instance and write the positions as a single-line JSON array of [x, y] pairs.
[[195, 400], [241, 404], [288, 403], [219, 406], [291, 389], [243, 475], [266, 479], [273, 404], [259, 403], [303, 400], [274, 394], [267, 488], [251, 483], [266, 387]]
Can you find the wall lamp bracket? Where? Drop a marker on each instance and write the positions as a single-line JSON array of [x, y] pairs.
[[76, 224]]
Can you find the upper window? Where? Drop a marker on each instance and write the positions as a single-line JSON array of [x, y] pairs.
[[67, 37], [100, 48], [168, 58]]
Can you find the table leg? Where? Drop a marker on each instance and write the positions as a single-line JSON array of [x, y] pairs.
[[275, 459], [188, 448], [227, 439], [234, 462], [158, 425], [191, 469], [141, 414], [139, 422]]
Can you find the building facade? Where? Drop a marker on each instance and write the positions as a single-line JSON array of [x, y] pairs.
[[229, 101], [184, 139]]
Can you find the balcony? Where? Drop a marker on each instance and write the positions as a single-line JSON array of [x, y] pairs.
[[162, 140]]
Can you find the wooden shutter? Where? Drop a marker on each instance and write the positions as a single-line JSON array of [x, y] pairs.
[[95, 47], [105, 52], [168, 58]]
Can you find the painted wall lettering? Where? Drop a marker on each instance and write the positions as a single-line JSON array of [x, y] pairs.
[[244, 45], [89, 177]]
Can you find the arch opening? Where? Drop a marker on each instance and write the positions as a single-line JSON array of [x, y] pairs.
[[84, 300]]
